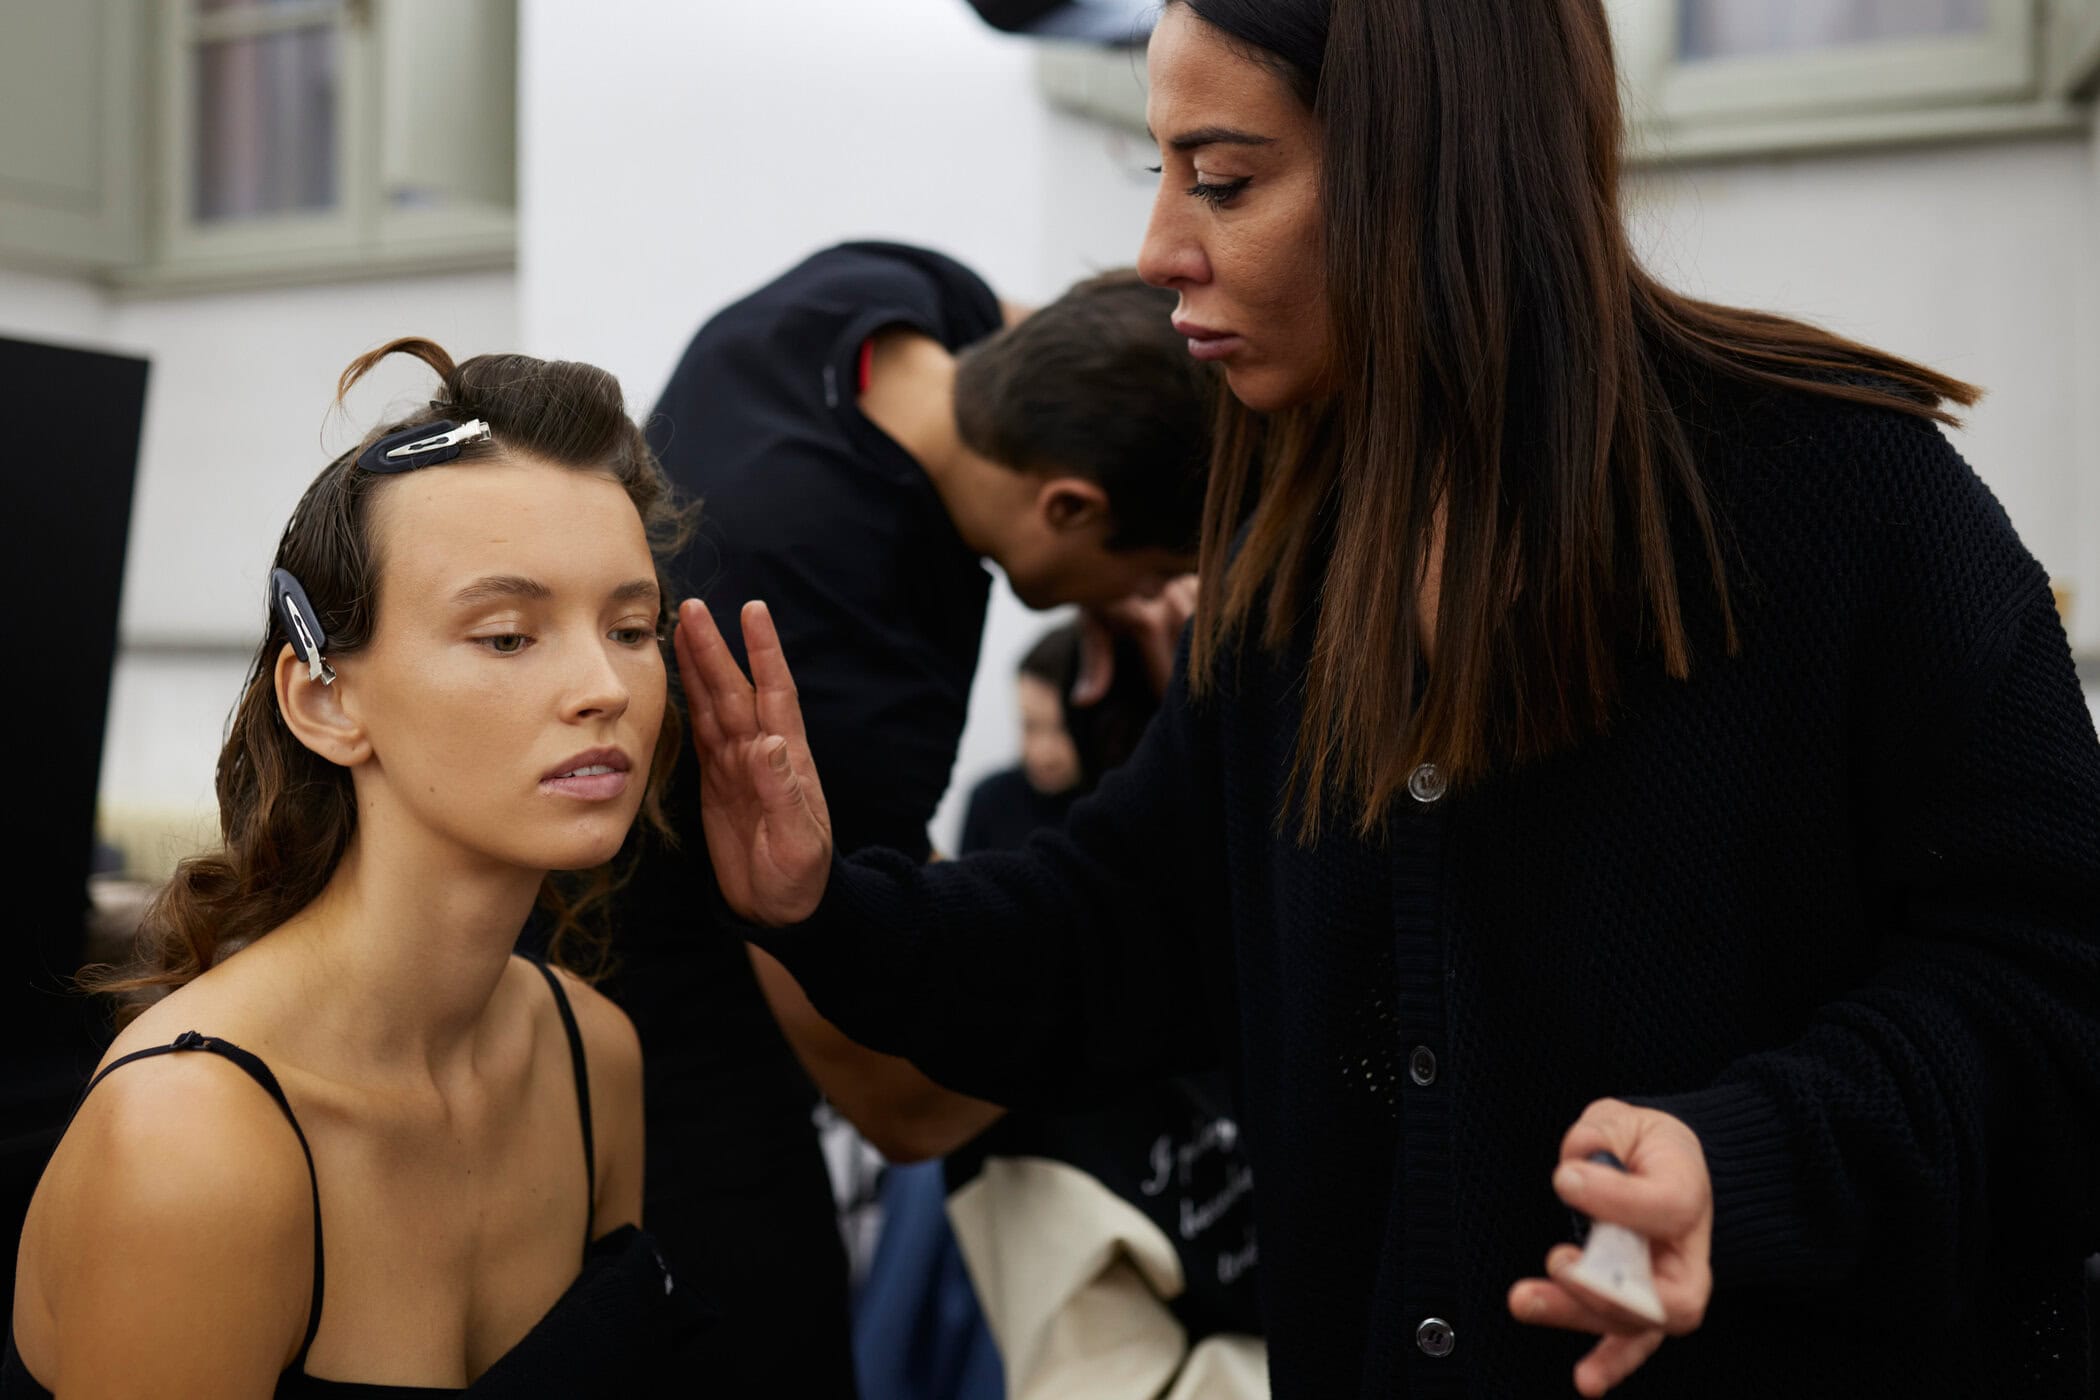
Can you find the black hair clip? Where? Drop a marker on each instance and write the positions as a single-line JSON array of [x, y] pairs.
[[423, 446], [301, 624]]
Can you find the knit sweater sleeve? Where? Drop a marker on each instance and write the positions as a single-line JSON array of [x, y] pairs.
[[1043, 976], [1946, 1113]]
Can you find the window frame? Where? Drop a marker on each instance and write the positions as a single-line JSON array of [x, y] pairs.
[[361, 235], [1891, 92], [1915, 71], [185, 238], [1099, 83]]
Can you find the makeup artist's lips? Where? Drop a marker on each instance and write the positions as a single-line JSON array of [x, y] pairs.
[[1208, 344], [595, 775]]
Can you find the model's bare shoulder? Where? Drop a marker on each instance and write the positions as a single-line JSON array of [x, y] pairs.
[[172, 1235]]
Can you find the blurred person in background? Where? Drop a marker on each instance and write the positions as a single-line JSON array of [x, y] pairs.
[[356, 1147], [1618, 731], [866, 433], [1065, 746]]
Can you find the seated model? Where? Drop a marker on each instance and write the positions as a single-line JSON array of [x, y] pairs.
[[358, 1147]]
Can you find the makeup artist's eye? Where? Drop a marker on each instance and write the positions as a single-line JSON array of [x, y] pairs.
[[506, 643], [1220, 193]]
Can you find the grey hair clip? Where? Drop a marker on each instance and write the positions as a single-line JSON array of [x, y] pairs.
[[425, 445], [302, 625]]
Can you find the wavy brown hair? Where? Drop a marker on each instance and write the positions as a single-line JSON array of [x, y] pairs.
[[1508, 374], [286, 815]]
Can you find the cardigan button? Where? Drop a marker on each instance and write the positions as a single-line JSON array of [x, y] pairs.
[[1426, 784], [1421, 1066], [1435, 1337]]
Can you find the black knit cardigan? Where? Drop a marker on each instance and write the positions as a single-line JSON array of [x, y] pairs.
[[1834, 902]]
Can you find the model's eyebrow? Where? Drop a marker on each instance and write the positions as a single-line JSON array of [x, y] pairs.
[[494, 588], [1214, 136]]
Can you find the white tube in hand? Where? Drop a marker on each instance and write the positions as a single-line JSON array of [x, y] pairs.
[[1615, 1264]]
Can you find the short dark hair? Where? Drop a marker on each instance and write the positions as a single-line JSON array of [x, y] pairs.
[[1097, 384]]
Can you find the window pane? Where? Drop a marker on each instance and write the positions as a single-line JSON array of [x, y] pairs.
[[1736, 28], [266, 125]]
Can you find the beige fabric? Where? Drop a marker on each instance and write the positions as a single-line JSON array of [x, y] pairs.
[[1224, 1368], [1073, 1280]]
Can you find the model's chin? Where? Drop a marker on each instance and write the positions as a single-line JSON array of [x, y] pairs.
[[593, 841]]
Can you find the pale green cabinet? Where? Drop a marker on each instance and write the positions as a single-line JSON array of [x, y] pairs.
[[71, 75], [188, 143]]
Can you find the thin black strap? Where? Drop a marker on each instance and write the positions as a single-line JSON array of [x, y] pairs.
[[583, 1095], [260, 1073]]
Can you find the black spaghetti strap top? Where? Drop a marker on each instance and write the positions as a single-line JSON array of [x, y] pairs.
[[613, 1331]]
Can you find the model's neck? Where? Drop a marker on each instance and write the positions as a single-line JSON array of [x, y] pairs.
[[403, 949]]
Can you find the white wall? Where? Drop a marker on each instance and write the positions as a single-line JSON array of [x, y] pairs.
[[236, 425], [238, 422], [61, 310]]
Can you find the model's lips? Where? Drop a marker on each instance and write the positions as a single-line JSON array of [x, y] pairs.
[[594, 775], [1208, 343]]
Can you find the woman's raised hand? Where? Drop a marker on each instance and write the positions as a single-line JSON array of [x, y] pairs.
[[768, 830]]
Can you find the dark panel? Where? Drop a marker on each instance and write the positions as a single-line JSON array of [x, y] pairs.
[[68, 456], [72, 440]]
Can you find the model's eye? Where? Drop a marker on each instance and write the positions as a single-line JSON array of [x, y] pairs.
[[506, 644]]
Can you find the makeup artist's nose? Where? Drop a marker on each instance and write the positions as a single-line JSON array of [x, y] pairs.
[[1172, 255]]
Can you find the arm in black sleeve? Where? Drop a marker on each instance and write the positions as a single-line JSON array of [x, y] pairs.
[[1946, 1114], [1043, 976]]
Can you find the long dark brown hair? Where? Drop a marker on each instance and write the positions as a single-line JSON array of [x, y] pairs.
[[1505, 372], [286, 815]]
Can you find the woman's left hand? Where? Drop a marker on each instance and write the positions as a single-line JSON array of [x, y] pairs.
[[1664, 1194]]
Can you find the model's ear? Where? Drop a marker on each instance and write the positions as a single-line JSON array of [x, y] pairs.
[[1069, 503], [318, 713]]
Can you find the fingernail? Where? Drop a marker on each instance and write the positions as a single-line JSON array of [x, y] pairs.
[[779, 756], [1568, 1180]]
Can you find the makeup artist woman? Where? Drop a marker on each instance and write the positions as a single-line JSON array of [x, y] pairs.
[[1611, 722]]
